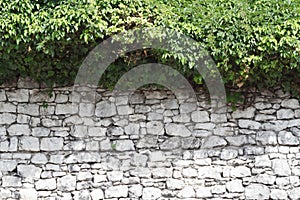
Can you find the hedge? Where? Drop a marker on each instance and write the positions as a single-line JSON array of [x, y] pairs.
[[253, 42]]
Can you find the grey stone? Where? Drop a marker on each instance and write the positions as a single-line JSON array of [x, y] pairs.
[[287, 138], [263, 117], [96, 131], [187, 192], [39, 158], [170, 104], [7, 107], [203, 192], [200, 116], [285, 114], [79, 131], [262, 105], [279, 194], [20, 95], [66, 183], [124, 145], [190, 143], [240, 172], [294, 193], [29, 109], [46, 184], [171, 143], [105, 109], [2, 95], [249, 124], [28, 143], [135, 191], [266, 137], [238, 141], [86, 109], [266, 179], [125, 110], [29, 171], [257, 191], [218, 118], [115, 176], [224, 131], [40, 132], [228, 154], [18, 129], [9, 145], [52, 144], [7, 118], [209, 172], [28, 194], [132, 129], [175, 184], [182, 118], [11, 181], [97, 194], [245, 114], [290, 103], [155, 128], [213, 141], [138, 159], [152, 116], [157, 156], [116, 191], [177, 130], [7, 165], [66, 109], [235, 186], [205, 126], [281, 167], [187, 107], [151, 193], [142, 109]]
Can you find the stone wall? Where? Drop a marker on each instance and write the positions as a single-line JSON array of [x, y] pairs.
[[149, 146]]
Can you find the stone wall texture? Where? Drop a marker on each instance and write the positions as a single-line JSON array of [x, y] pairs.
[[149, 146]]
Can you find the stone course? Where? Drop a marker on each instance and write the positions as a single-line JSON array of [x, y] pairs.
[[148, 146]]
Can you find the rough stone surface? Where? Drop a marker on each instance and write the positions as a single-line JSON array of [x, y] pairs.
[[151, 145]]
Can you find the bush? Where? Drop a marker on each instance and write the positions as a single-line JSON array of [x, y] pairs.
[[253, 42]]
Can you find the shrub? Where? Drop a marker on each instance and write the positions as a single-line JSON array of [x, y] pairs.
[[253, 42]]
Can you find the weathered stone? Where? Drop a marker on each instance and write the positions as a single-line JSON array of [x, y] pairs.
[[240, 172], [20, 95], [205, 126], [162, 172], [208, 172], [175, 184], [9, 145], [203, 192], [97, 194], [39, 158], [29, 109], [132, 129], [287, 138], [105, 109], [11, 181], [182, 118], [96, 131], [28, 194], [177, 130], [28, 143], [249, 124], [115, 176], [235, 186], [125, 110], [151, 193], [213, 141], [66, 109], [40, 132], [7, 107], [7, 165], [200, 116], [290, 103], [86, 109], [171, 143], [262, 105], [189, 172], [7, 118], [136, 191], [52, 144], [262, 161], [124, 145], [266, 137], [244, 114], [139, 160], [29, 171], [18, 129], [281, 167], [237, 140], [66, 183], [228, 154], [142, 109], [157, 156], [2, 95], [263, 117], [190, 143], [46, 184], [278, 194], [257, 191], [266, 179], [218, 189], [116, 191], [294, 193], [187, 192], [285, 114], [154, 116], [224, 131], [187, 107], [170, 104]]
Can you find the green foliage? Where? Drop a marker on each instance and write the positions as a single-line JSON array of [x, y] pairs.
[[253, 42]]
